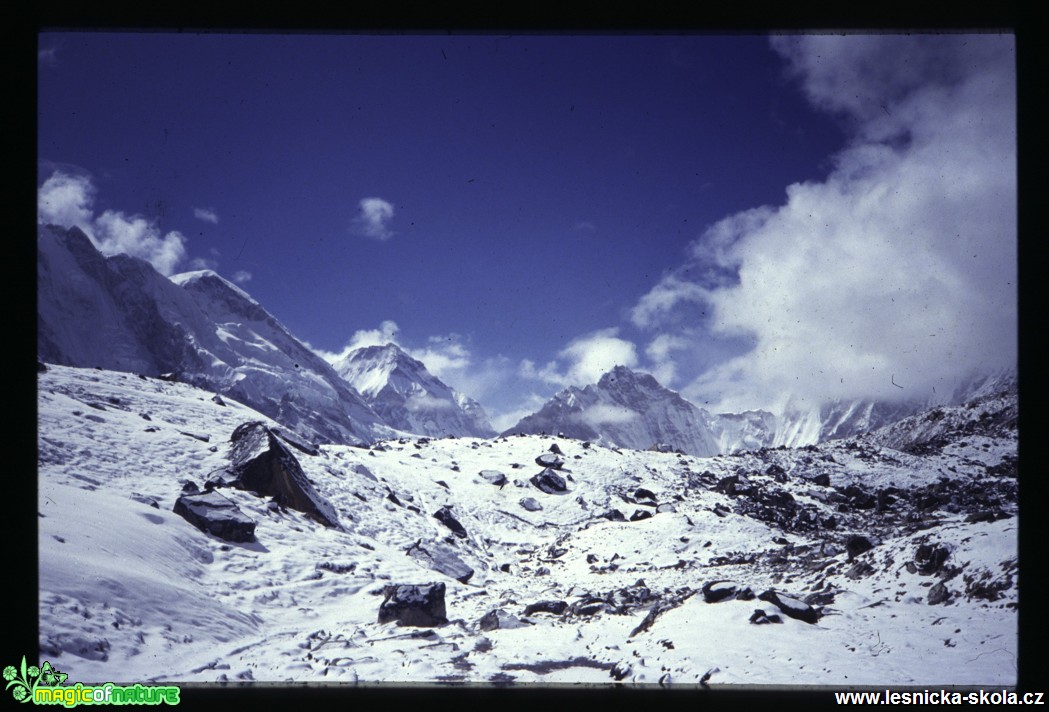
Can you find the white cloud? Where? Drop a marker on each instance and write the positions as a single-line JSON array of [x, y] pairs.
[[241, 276], [606, 414], [373, 219], [66, 200], [899, 267], [198, 263], [661, 352], [425, 402], [584, 360], [138, 237], [206, 215]]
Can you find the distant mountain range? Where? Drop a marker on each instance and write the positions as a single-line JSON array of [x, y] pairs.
[[118, 313]]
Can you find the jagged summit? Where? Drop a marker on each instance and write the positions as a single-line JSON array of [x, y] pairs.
[[408, 397], [626, 409]]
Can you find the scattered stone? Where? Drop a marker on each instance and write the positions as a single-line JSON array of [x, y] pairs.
[[550, 461], [640, 514], [554, 607], [196, 436], [791, 607], [856, 544], [498, 618], [442, 559], [214, 514], [189, 487], [939, 594], [494, 477], [530, 504], [759, 617], [555, 449], [413, 605], [620, 671], [665, 507], [444, 516], [822, 479], [614, 515], [776, 472], [642, 493], [930, 558], [550, 482], [717, 591], [543, 571], [217, 399]]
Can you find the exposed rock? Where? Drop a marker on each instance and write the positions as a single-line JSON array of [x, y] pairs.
[[261, 463], [554, 607], [642, 493], [929, 558], [939, 594], [759, 617], [777, 473], [442, 559], [494, 477], [640, 514], [550, 461], [550, 482], [444, 516], [530, 504], [791, 607], [614, 515], [822, 479], [717, 591], [556, 449], [413, 605], [212, 513], [217, 399], [498, 618], [856, 544]]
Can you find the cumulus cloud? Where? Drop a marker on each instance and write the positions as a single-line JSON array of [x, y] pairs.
[[584, 360], [67, 200], [373, 218], [241, 276], [206, 215], [900, 267]]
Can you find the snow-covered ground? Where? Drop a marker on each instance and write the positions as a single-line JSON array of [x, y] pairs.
[[130, 591]]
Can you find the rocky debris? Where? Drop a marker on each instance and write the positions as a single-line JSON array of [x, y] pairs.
[[790, 606], [777, 473], [620, 671], [930, 558], [413, 605], [261, 463], [498, 618], [717, 591], [494, 477], [554, 607], [822, 479], [441, 558], [759, 617], [556, 449], [550, 461], [214, 514], [550, 482], [939, 594], [856, 544], [640, 514], [613, 515], [642, 493], [444, 516], [530, 504]]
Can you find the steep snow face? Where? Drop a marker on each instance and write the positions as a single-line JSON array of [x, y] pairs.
[[625, 409], [905, 563], [206, 331], [410, 398]]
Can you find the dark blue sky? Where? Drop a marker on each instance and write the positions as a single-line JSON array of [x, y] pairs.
[[540, 186]]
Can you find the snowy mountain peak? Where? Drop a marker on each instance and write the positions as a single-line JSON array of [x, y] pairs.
[[409, 397]]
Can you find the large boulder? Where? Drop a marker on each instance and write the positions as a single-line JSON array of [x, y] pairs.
[[413, 605], [531, 504], [442, 559], [550, 482], [212, 513], [494, 477], [260, 462], [550, 460], [717, 591]]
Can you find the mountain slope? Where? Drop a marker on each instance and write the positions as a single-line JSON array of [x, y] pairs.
[[410, 398], [198, 326], [904, 564]]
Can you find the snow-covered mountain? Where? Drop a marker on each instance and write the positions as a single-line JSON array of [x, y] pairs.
[[625, 409], [119, 313], [410, 398], [843, 564]]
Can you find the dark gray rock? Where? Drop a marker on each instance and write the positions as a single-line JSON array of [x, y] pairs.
[[494, 477], [856, 544], [441, 558], [759, 617], [498, 618], [550, 482], [444, 516], [214, 514], [530, 504], [791, 607], [554, 607], [717, 591], [262, 464], [550, 461], [822, 479], [777, 473], [930, 558], [640, 514], [614, 515], [939, 594], [556, 449], [413, 605], [642, 493]]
